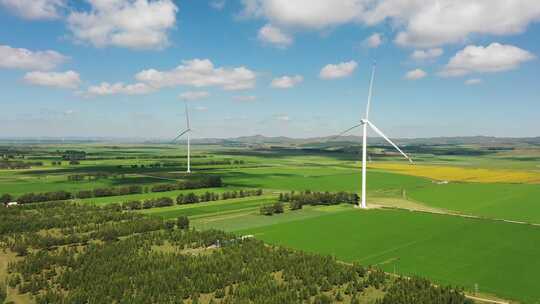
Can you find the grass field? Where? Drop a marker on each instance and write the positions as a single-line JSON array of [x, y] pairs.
[[519, 202], [218, 207], [500, 257]]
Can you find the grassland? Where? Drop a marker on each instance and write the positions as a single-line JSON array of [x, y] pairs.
[[448, 249]]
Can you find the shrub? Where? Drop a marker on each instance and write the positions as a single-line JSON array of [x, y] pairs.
[[278, 207], [267, 209], [182, 222]]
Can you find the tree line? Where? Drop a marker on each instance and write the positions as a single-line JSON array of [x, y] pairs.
[[199, 182], [188, 198], [9, 164], [298, 199]]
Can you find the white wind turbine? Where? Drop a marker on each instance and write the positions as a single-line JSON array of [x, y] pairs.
[[365, 123], [187, 131]]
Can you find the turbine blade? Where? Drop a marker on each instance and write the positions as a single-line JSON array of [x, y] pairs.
[[388, 140], [344, 132], [370, 92], [180, 135]]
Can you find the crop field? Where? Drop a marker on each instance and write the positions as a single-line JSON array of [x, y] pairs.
[[447, 173], [448, 249], [439, 243]]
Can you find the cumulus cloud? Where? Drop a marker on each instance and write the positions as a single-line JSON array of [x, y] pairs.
[[415, 74], [316, 14], [136, 24], [273, 35], [194, 95], [106, 88], [420, 23], [35, 9], [245, 98], [374, 41], [473, 81], [340, 70], [495, 57], [433, 23], [19, 58], [286, 82], [64, 80], [200, 73], [427, 54]]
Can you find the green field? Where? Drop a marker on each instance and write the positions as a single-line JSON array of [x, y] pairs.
[[517, 202], [500, 257]]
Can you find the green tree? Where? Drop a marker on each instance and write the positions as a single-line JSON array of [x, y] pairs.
[[182, 222]]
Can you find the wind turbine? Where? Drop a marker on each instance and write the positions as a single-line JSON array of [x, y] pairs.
[[364, 123], [187, 131]]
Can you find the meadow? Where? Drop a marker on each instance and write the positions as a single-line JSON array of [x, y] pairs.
[[499, 257]]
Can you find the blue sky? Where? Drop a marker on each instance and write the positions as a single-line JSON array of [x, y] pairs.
[[109, 68]]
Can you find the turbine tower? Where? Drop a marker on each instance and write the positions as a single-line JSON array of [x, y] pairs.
[[187, 131], [364, 123]]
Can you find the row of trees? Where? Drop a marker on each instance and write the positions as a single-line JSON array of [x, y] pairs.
[[318, 198], [181, 199], [181, 164], [7, 164], [200, 182], [192, 198], [271, 209]]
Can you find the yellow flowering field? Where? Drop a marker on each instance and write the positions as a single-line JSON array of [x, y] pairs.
[[448, 173]]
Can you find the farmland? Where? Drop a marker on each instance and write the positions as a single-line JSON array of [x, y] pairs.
[[460, 237]]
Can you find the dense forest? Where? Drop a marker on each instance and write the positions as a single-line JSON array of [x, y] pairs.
[[70, 253]]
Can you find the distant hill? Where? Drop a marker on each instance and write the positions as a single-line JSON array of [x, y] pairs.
[[351, 139], [261, 140]]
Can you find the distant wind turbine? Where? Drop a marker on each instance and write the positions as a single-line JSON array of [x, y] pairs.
[[187, 131], [364, 123]]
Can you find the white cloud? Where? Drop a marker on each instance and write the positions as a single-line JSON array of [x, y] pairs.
[[415, 74], [440, 22], [427, 54], [473, 81], [18, 58], [106, 88], [194, 95], [286, 82], [340, 70], [273, 35], [316, 14], [201, 108], [136, 24], [245, 98], [495, 57], [420, 23], [64, 80], [200, 73], [217, 4], [35, 9], [374, 41], [282, 117]]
